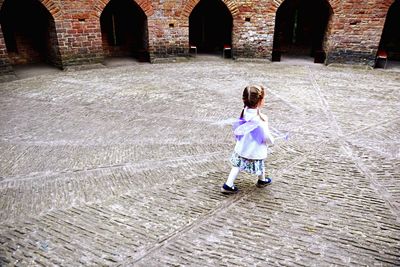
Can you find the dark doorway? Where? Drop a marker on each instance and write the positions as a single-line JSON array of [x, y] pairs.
[[390, 40], [124, 30], [210, 26], [300, 28], [29, 33]]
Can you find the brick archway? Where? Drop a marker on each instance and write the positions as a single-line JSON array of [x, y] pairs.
[[335, 5], [145, 5], [124, 30], [36, 39], [52, 8], [388, 42], [309, 39], [191, 4], [387, 4]]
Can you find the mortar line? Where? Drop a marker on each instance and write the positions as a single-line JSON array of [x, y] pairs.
[[378, 188], [97, 201], [384, 122], [44, 175], [324, 105], [226, 205]]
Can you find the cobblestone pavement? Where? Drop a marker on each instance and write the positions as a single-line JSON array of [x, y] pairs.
[[123, 166]]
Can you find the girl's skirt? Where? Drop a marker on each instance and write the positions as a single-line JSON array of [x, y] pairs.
[[252, 166]]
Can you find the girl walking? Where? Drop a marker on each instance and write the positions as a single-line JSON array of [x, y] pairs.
[[252, 139]]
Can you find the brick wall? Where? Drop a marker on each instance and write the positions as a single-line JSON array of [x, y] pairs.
[[79, 33], [5, 65], [356, 30], [352, 36], [168, 32]]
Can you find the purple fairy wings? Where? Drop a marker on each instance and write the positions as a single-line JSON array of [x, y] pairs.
[[242, 127]]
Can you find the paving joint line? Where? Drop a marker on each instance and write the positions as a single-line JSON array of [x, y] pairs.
[[44, 175], [226, 205], [146, 251], [385, 122], [379, 188]]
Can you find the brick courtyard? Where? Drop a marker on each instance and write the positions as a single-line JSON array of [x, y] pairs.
[[123, 166]]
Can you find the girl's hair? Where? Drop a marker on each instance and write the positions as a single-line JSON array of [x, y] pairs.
[[252, 96]]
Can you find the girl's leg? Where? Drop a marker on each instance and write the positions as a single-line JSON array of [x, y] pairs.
[[261, 177], [232, 176], [263, 181]]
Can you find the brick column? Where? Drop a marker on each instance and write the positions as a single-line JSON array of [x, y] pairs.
[[5, 66], [355, 32], [252, 32], [79, 39]]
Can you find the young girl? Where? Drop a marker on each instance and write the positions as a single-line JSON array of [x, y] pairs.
[[252, 137]]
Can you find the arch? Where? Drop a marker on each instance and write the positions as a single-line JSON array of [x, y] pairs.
[[191, 4], [301, 28], [30, 32], [387, 4], [335, 5], [51, 7], [390, 38], [210, 26], [124, 30], [145, 5]]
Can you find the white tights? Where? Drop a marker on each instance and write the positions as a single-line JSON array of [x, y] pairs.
[[234, 173]]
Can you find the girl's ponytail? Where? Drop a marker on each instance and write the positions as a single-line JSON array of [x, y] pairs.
[[242, 114]]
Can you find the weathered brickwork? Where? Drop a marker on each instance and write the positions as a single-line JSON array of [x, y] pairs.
[[356, 31], [5, 67], [76, 35]]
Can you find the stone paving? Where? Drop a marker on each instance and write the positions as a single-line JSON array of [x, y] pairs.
[[123, 166]]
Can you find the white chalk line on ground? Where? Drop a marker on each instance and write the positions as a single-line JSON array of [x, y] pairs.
[[223, 207], [378, 187]]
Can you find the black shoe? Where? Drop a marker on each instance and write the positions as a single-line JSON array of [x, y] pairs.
[[261, 183], [229, 190]]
